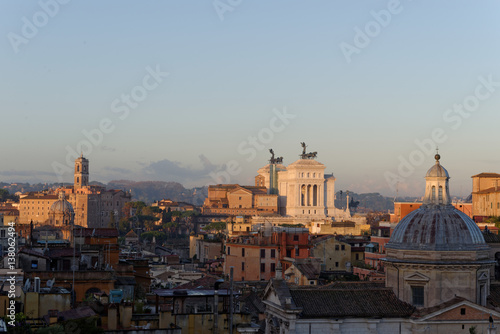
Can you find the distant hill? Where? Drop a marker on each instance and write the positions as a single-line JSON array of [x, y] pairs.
[[369, 201], [147, 191], [150, 191]]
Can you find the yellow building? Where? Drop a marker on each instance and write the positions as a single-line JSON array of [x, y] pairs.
[[233, 199], [94, 206], [486, 195], [334, 254]]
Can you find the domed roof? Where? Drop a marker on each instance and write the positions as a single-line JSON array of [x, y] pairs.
[[62, 205], [438, 228], [437, 170], [437, 225]]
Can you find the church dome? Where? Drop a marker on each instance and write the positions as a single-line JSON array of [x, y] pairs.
[[62, 205], [437, 170], [437, 228], [437, 225]]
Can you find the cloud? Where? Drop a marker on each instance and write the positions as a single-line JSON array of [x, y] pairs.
[[107, 148], [118, 170], [26, 173], [168, 170]]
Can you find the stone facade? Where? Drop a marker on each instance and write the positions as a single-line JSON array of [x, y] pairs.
[[486, 195]]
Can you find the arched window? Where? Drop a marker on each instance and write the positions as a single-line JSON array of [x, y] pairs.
[[440, 194], [433, 194]]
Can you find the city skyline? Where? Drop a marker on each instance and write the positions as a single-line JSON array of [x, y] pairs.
[[185, 92]]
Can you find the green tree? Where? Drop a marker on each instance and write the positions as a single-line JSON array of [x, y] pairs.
[[20, 324], [218, 228], [494, 220]]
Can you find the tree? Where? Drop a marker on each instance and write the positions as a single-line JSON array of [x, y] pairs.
[[216, 227], [21, 326], [494, 220], [5, 195]]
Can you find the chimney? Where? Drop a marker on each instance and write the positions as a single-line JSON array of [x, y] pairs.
[[279, 274]]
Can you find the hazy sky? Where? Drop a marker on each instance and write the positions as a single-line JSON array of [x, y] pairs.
[[198, 91]]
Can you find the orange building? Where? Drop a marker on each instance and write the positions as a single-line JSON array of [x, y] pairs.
[[401, 209], [485, 195], [256, 257], [235, 200], [93, 206]]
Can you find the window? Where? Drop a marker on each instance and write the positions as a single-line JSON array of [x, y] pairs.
[[2, 233], [311, 282], [262, 267], [289, 253], [336, 247], [295, 238], [273, 253], [262, 253], [34, 264], [242, 266], [229, 251], [273, 267], [239, 198], [440, 194], [342, 247], [462, 311], [417, 293], [433, 194], [243, 252], [336, 264], [357, 256], [297, 251]]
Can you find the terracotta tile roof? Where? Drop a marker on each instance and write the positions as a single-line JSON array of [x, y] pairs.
[[490, 237], [77, 313], [62, 252], [96, 232], [205, 283], [40, 197], [320, 303], [339, 285], [310, 271], [488, 190], [494, 297], [32, 253], [131, 234], [253, 303], [486, 175], [425, 311]]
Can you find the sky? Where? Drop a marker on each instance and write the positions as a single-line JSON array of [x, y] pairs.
[[197, 92]]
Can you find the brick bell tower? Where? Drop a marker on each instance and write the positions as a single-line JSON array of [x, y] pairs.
[[81, 172]]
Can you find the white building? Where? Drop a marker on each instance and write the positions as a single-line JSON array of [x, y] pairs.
[[304, 189]]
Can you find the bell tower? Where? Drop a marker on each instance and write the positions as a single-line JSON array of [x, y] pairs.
[[81, 172]]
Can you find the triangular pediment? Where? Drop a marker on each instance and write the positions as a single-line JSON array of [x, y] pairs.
[[417, 277], [240, 190], [483, 276], [461, 310]]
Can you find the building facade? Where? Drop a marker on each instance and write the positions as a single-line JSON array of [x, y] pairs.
[[437, 252], [485, 195]]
